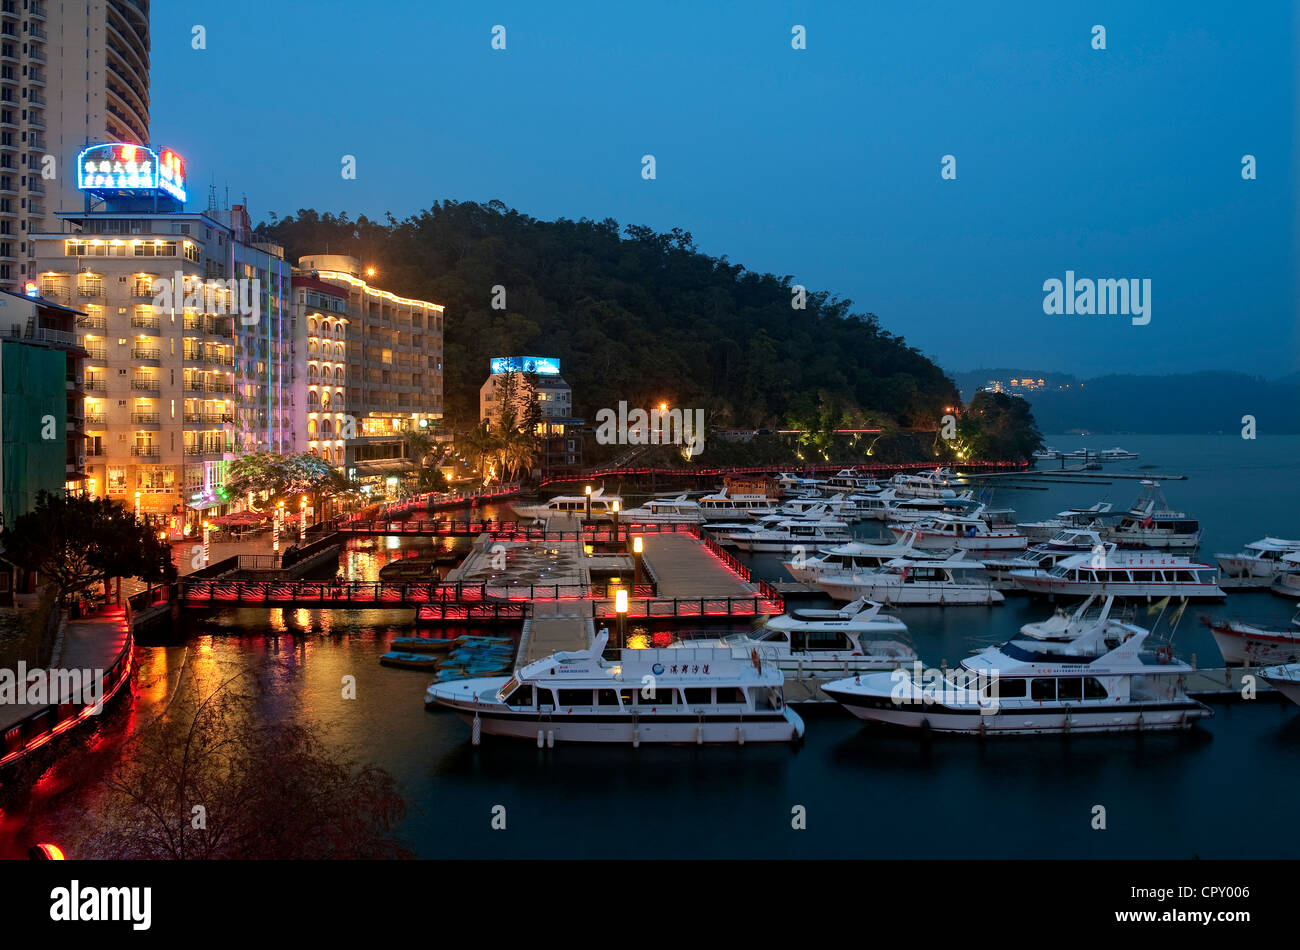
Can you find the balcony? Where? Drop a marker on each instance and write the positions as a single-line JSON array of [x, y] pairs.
[[146, 386], [147, 353], [95, 386], [90, 290], [96, 353], [145, 451], [144, 322], [144, 418], [96, 420], [95, 322]]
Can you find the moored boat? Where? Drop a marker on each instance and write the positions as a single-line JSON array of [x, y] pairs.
[[915, 581], [1264, 558], [602, 506], [410, 661], [659, 695], [1123, 573], [1285, 679], [1242, 642]]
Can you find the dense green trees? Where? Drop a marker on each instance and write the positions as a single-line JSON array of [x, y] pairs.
[[998, 426], [634, 315], [73, 542]]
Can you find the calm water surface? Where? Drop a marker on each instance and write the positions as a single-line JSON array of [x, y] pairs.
[[867, 794]]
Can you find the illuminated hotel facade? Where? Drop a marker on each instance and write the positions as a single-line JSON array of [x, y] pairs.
[[373, 366], [179, 379]]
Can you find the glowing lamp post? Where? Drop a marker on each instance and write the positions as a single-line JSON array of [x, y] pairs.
[[614, 514], [587, 491], [275, 528], [620, 610], [302, 520], [638, 546], [207, 543]]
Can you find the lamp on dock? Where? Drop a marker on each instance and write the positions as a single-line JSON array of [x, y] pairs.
[[638, 545], [620, 611], [587, 491]]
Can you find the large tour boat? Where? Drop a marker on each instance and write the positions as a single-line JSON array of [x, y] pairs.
[[1123, 573], [1100, 680], [665, 695], [726, 504], [678, 510]]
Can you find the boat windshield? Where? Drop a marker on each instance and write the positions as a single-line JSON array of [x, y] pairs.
[[508, 688]]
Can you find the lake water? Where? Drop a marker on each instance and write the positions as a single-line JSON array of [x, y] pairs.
[[1208, 793]]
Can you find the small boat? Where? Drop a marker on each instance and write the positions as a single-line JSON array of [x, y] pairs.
[[1099, 680], [791, 535], [1285, 679], [420, 644], [1263, 558], [932, 484], [855, 638], [1049, 454], [1070, 518], [1287, 581], [694, 695], [1116, 455], [468, 638], [914, 581], [856, 557], [1123, 573], [1242, 642], [410, 661], [851, 481], [727, 504]]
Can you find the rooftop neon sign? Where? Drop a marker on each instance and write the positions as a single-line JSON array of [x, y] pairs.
[[118, 166]]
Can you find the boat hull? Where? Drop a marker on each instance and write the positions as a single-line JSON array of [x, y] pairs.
[[1240, 643], [1043, 583], [912, 594], [624, 729], [1144, 717]]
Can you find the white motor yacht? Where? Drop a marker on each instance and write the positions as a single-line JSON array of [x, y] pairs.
[[1285, 679], [936, 483], [914, 581], [725, 505], [668, 695], [1070, 518], [971, 533], [1262, 558], [1287, 580], [1116, 455], [1123, 573], [1151, 523], [790, 534], [602, 506], [678, 510], [1049, 454], [856, 557], [1103, 680]]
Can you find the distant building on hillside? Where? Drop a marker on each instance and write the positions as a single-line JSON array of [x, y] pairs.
[[559, 431]]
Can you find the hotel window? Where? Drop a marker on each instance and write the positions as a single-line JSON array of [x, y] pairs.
[[116, 481]]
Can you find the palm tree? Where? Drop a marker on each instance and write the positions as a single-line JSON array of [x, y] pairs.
[[520, 451], [479, 444], [417, 445]]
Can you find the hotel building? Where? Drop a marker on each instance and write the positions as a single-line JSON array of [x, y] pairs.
[[72, 73], [183, 375], [374, 366]]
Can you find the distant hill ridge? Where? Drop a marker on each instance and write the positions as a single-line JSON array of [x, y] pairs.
[[1208, 401]]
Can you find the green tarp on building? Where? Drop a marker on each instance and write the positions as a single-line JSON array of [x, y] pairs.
[[33, 425]]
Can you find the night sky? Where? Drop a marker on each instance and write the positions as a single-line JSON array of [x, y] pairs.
[[822, 163]]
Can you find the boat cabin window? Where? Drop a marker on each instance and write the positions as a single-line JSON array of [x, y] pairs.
[[730, 694], [698, 695], [660, 696], [1142, 575], [606, 697], [1092, 688], [545, 697], [1042, 689], [575, 697], [625, 697], [1070, 689], [762, 697], [775, 636], [522, 696], [827, 641], [1006, 689]]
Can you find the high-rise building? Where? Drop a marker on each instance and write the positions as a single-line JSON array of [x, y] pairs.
[[72, 73], [190, 332], [383, 354]]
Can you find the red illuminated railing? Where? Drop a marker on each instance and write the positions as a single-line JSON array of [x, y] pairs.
[[222, 591], [40, 727], [645, 608], [770, 470], [432, 501], [512, 530]]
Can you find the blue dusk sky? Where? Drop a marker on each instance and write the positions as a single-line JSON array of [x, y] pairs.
[[822, 163]]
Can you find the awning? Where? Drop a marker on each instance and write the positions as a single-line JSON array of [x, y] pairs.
[[382, 466]]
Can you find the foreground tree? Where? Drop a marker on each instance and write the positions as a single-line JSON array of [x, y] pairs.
[[75, 542], [285, 476], [219, 782], [998, 426]]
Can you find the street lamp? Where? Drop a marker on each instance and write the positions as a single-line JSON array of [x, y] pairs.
[[207, 543], [637, 546], [276, 518], [620, 610], [587, 490], [302, 520], [615, 513]]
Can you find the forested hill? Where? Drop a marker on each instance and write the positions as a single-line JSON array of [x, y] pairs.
[[632, 315]]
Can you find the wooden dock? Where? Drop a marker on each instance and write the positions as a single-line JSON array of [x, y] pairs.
[[683, 567]]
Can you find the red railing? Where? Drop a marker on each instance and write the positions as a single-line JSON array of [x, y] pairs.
[[432, 501]]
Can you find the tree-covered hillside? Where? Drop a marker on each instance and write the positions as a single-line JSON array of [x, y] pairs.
[[633, 315]]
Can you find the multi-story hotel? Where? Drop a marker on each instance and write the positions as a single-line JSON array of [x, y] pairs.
[[374, 365], [185, 368], [72, 73]]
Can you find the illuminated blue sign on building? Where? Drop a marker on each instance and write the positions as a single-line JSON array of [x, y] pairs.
[[541, 365]]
